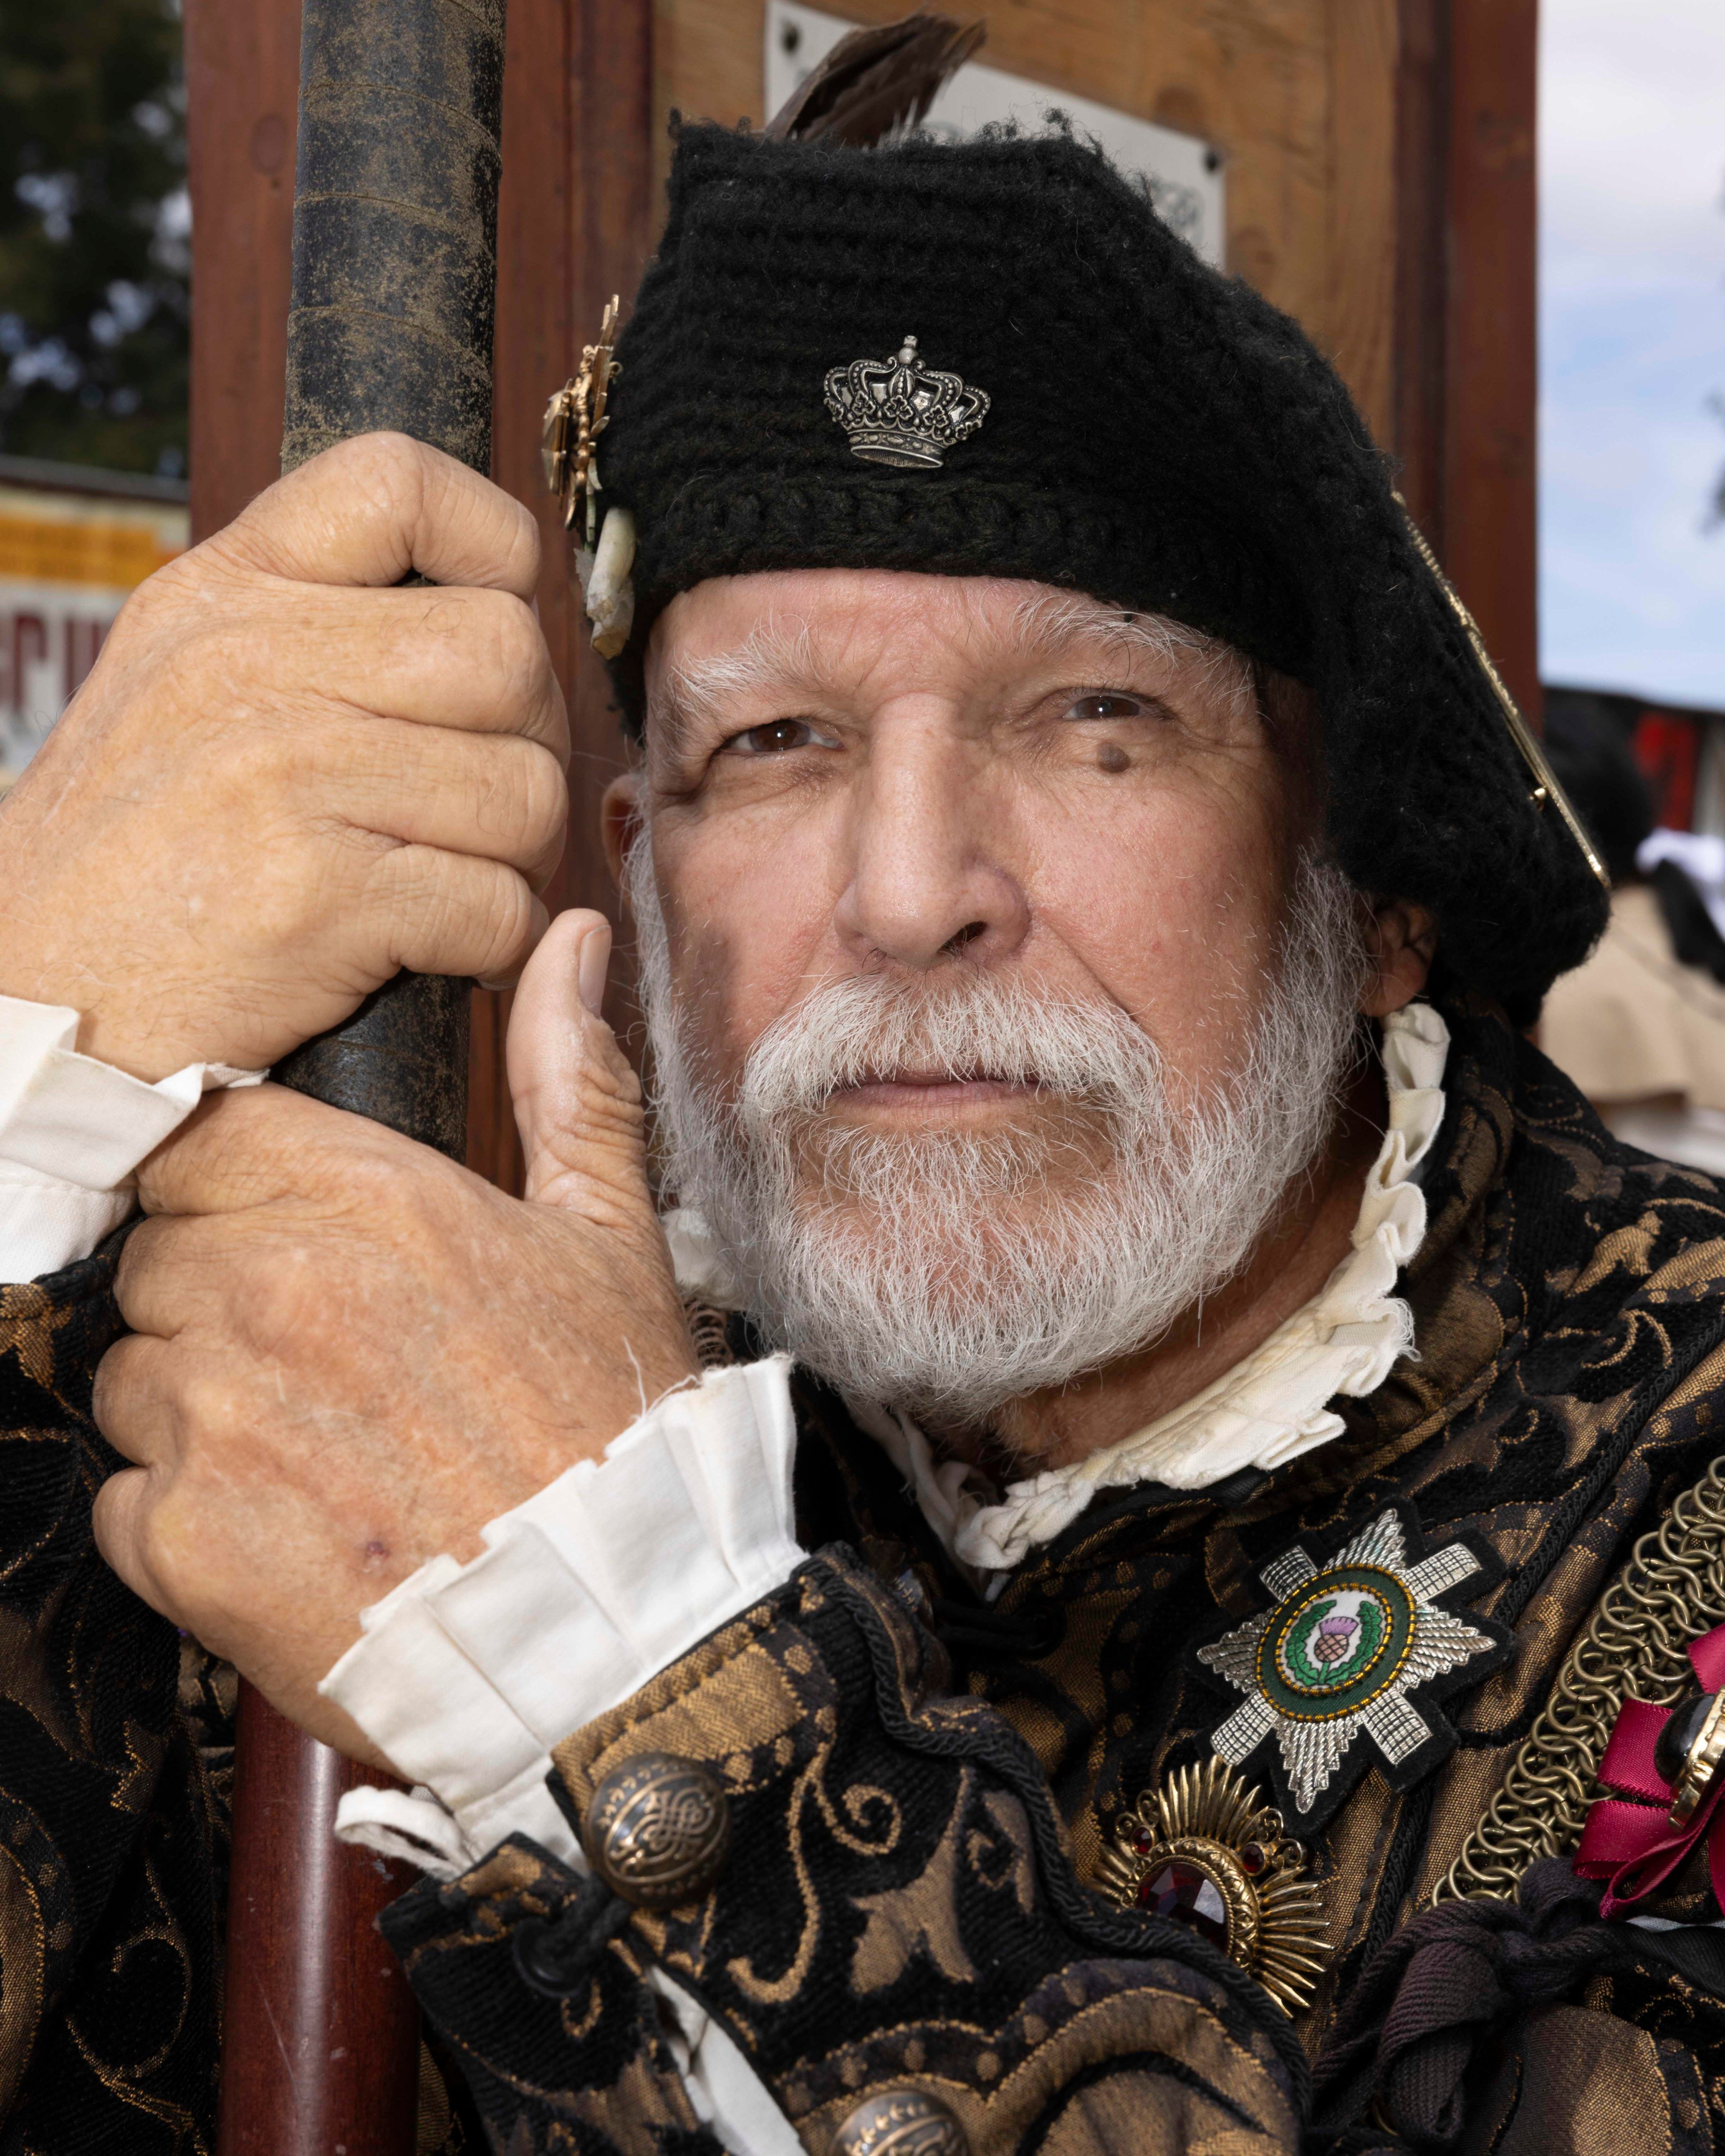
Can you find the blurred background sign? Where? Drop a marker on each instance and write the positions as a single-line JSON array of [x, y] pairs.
[[1184, 173], [75, 541]]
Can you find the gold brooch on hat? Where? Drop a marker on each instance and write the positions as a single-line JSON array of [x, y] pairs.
[[574, 419]]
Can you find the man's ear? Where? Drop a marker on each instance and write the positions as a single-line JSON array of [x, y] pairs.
[[1401, 942], [620, 820]]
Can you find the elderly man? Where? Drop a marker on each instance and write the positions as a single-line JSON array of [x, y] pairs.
[[1014, 1612]]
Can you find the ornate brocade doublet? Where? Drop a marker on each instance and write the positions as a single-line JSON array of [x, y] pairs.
[[920, 1787]]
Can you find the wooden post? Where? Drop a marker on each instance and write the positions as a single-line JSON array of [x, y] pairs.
[[389, 326], [243, 79], [320, 2031], [1466, 308]]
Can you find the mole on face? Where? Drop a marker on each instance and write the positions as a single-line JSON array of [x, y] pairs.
[[1112, 756]]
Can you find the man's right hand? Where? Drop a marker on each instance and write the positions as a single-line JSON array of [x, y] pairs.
[[284, 780]]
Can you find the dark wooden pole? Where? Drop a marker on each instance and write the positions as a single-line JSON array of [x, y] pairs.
[[389, 326], [320, 2040]]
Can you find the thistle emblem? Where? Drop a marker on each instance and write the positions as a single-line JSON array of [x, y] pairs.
[[901, 412], [1357, 1648], [1205, 1850]]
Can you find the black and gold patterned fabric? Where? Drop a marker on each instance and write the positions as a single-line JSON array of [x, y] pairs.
[[112, 1798], [918, 1788]]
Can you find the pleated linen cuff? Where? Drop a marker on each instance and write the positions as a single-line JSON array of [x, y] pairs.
[[466, 1676], [73, 1130]]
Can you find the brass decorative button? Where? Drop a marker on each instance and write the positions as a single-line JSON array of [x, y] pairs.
[[899, 2122], [658, 1830]]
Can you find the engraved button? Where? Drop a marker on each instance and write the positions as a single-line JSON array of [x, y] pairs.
[[658, 1830], [899, 2122]]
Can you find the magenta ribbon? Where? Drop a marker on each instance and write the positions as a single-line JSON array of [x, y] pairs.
[[1631, 1844]]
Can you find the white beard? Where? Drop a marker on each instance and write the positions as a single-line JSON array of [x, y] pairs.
[[946, 1272]]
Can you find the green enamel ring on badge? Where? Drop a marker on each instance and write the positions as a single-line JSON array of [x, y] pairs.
[[1337, 1644]]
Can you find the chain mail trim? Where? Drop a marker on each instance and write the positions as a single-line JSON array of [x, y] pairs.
[[1671, 1589]]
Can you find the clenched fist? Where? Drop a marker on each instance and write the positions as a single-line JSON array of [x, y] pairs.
[[286, 780], [350, 1353]]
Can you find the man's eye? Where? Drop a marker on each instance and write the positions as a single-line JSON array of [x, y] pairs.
[[773, 738], [1101, 706]]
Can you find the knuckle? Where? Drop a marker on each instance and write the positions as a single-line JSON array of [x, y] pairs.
[[528, 540], [523, 658], [386, 471], [507, 926], [386, 454], [545, 812], [115, 1521], [526, 802], [205, 1403], [112, 1389], [271, 1304]]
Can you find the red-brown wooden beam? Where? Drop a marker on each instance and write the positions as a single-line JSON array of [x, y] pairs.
[[1466, 309], [242, 100]]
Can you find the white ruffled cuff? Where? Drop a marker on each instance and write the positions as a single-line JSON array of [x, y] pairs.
[[72, 1133], [466, 1676]]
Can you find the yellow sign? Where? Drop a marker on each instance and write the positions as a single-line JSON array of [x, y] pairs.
[[90, 551]]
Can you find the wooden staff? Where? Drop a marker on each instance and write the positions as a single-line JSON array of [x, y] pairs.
[[394, 296]]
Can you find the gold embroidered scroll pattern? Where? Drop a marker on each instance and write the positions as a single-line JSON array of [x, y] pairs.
[[865, 1805], [1671, 1590]]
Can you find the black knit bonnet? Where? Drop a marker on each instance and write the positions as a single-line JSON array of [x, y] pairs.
[[1158, 435]]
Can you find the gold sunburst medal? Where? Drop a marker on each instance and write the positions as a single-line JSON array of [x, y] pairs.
[[1205, 1851]]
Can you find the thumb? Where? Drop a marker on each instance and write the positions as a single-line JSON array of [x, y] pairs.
[[578, 1103]]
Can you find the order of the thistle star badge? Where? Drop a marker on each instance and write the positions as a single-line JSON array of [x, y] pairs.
[[1344, 1671]]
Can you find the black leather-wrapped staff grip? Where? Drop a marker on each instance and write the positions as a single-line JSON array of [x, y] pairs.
[[389, 326]]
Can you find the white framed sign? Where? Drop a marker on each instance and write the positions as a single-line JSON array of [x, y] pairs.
[[1184, 173]]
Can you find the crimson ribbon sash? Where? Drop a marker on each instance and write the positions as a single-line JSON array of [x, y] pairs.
[[1629, 1840]]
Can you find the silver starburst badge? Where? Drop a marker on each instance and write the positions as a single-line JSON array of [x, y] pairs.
[[1341, 1656]]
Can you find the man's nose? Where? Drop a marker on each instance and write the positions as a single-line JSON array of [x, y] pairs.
[[928, 840]]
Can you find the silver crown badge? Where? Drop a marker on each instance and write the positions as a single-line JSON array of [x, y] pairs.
[[900, 412]]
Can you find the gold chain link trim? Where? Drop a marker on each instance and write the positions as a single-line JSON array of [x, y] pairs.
[[1671, 1590]]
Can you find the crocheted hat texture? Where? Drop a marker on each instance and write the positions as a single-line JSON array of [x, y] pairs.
[[1158, 435]]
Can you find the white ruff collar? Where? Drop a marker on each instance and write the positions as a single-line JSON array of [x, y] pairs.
[[1267, 1410]]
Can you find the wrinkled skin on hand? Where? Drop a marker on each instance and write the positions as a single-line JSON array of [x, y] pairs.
[[284, 780], [350, 1353]]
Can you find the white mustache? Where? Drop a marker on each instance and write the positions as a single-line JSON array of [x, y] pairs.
[[962, 1027]]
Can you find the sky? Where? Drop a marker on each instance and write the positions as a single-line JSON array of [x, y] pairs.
[[1632, 345]]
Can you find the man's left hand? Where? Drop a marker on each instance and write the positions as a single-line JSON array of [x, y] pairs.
[[349, 1353]]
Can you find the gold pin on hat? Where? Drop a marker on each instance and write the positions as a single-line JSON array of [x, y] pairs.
[[574, 419], [1545, 779]]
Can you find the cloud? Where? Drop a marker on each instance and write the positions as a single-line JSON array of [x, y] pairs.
[[1632, 344]]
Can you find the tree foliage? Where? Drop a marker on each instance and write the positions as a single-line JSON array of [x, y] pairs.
[[95, 233]]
